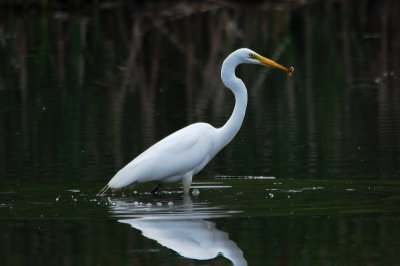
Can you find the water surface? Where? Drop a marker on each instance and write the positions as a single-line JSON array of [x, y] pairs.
[[241, 220]]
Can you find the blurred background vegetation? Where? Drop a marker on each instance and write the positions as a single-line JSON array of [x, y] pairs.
[[86, 85]]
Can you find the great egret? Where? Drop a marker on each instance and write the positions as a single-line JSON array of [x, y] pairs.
[[184, 153]]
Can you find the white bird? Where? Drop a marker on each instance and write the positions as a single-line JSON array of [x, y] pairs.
[[186, 152]]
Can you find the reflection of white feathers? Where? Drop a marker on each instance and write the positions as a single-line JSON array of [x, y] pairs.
[[194, 239], [181, 227]]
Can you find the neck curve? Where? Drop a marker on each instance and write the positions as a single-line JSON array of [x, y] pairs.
[[228, 131]]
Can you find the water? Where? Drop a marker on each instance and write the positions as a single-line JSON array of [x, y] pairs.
[[258, 221], [311, 178]]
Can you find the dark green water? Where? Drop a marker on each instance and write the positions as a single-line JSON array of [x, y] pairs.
[[312, 178]]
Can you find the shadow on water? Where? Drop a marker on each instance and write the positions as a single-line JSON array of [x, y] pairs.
[[181, 226]]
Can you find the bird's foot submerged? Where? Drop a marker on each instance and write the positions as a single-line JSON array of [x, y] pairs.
[[103, 191], [156, 188]]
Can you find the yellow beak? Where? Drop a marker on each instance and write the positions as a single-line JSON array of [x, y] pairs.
[[270, 63]]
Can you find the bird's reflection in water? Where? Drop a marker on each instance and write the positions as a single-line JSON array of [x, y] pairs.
[[181, 227]]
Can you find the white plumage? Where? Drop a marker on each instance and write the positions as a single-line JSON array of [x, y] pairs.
[[186, 152]]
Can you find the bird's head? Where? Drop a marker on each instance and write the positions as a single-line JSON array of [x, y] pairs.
[[250, 57]]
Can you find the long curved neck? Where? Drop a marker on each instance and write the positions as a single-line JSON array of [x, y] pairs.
[[236, 85]]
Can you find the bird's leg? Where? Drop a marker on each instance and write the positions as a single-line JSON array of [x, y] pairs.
[[186, 183], [156, 188], [103, 190]]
